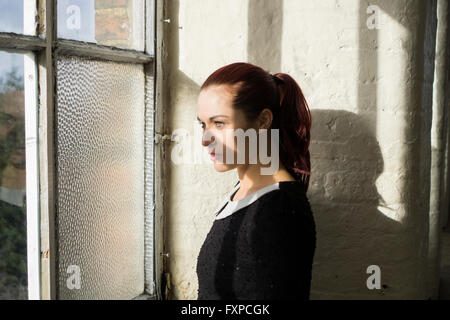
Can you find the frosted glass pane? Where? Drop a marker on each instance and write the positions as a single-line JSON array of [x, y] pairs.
[[118, 23], [100, 179]]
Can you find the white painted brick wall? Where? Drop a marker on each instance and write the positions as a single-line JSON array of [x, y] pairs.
[[370, 148]]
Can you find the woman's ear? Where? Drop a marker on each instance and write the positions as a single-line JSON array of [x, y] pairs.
[[265, 119]]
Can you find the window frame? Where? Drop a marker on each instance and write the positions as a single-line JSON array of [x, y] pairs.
[[45, 48]]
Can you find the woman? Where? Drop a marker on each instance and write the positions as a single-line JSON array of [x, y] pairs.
[[262, 242]]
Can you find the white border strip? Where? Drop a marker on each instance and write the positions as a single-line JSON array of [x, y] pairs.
[[32, 176]]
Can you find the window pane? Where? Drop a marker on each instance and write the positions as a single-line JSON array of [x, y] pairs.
[[18, 16], [100, 179], [13, 232], [150, 27], [118, 23]]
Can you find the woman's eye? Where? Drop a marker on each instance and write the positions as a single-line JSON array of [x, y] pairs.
[[219, 124]]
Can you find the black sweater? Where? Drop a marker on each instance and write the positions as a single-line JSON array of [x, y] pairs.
[[262, 248]]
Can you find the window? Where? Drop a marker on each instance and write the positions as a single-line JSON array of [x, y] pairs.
[[15, 196], [76, 133]]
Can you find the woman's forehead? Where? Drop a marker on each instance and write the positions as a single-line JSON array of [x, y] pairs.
[[215, 100]]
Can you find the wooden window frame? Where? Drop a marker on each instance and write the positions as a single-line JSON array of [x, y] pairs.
[[46, 47]]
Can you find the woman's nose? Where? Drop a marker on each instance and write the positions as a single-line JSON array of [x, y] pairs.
[[207, 139]]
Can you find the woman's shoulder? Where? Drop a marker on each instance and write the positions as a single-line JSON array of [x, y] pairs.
[[289, 201], [284, 212], [289, 194]]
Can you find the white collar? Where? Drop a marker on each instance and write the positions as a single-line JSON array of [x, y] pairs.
[[233, 206]]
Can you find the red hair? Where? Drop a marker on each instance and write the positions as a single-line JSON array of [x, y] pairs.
[[257, 90]]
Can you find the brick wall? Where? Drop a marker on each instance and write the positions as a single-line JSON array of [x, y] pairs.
[[113, 22]]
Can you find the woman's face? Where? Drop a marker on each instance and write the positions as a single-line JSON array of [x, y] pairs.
[[219, 121]]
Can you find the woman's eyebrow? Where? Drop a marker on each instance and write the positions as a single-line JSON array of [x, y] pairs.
[[211, 118]]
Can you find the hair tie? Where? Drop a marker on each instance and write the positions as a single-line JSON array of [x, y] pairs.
[[277, 80]]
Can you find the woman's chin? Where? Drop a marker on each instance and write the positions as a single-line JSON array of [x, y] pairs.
[[221, 167]]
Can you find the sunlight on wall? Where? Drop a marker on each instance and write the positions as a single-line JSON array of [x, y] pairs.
[[223, 42], [392, 82], [326, 68]]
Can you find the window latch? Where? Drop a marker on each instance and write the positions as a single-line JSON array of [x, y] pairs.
[[161, 137]]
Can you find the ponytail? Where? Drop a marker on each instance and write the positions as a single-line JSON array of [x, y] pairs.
[[294, 126]]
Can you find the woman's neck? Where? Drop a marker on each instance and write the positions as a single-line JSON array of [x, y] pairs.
[[250, 177]]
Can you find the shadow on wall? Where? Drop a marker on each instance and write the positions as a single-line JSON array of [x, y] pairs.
[[265, 29], [352, 231], [179, 286], [354, 227]]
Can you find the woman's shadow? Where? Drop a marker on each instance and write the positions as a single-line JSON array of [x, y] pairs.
[[355, 227]]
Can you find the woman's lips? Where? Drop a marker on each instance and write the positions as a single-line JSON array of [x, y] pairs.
[[213, 155]]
